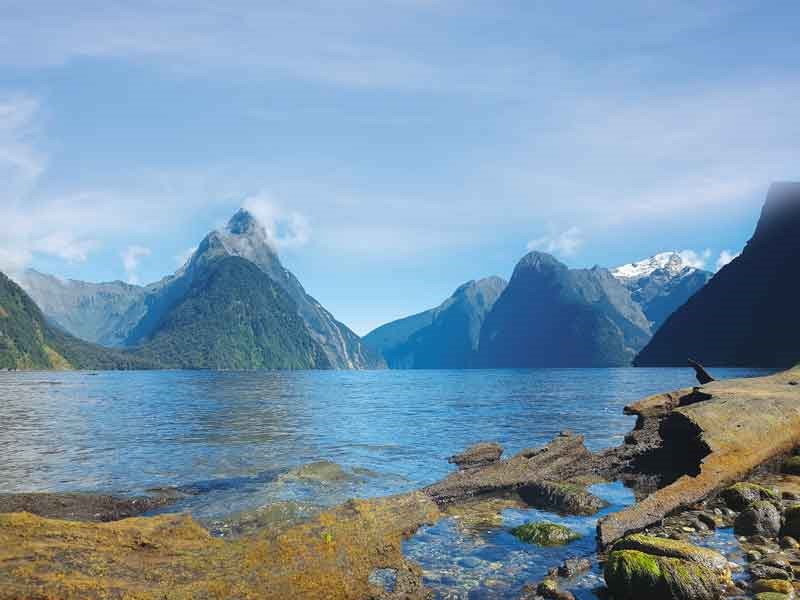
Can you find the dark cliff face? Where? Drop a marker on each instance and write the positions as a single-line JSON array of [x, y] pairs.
[[747, 315], [551, 316], [450, 339]]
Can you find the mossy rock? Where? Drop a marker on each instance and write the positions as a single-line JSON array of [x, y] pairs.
[[760, 518], [791, 465], [772, 596], [741, 495], [544, 533], [633, 575], [675, 549], [776, 586]]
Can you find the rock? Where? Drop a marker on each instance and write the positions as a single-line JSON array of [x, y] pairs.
[[791, 465], [708, 520], [549, 589], [84, 507], [741, 495], [753, 555], [777, 586], [561, 497], [563, 459], [332, 556], [478, 455], [654, 546], [772, 596], [322, 471], [789, 542], [545, 534], [574, 566], [762, 571], [633, 575], [760, 518], [791, 527], [701, 441]]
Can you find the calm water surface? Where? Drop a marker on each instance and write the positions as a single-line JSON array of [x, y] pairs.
[[232, 439]]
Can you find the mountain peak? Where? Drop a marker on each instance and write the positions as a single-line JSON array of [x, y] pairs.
[[242, 222], [672, 262]]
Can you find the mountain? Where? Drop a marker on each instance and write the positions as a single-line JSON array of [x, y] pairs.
[[102, 313], [126, 316], [244, 237], [393, 334], [232, 316], [551, 316], [445, 337], [661, 284], [747, 314], [28, 341]]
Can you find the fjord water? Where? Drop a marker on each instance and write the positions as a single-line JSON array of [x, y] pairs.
[[232, 442]]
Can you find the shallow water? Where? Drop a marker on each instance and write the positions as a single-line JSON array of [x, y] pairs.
[[232, 439]]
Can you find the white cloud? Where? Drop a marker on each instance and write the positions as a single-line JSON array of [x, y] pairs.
[[564, 243], [698, 260], [285, 228], [130, 260], [725, 257]]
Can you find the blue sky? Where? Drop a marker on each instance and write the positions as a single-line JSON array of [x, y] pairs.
[[397, 147]]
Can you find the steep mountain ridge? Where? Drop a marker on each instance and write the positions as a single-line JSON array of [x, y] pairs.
[[101, 313], [551, 316], [450, 339], [747, 314]]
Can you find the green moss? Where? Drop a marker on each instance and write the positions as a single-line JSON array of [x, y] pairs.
[[633, 575], [545, 534], [629, 573], [674, 549], [792, 465]]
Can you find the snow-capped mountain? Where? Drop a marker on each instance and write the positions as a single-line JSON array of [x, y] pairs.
[[661, 284], [670, 262]]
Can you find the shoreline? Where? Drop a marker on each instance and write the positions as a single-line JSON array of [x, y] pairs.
[[343, 546]]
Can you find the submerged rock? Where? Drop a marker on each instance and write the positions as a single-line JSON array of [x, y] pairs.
[[478, 455], [633, 575], [760, 518], [320, 471], [544, 533]]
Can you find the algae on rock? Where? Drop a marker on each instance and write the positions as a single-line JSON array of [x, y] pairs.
[[545, 534]]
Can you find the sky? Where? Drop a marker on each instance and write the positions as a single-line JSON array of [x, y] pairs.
[[395, 148]]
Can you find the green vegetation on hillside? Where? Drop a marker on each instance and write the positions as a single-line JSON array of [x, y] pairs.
[[27, 341], [233, 317]]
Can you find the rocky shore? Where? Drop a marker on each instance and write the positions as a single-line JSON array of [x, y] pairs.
[[699, 460]]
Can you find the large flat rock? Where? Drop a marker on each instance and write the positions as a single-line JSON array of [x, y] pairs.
[[733, 426]]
